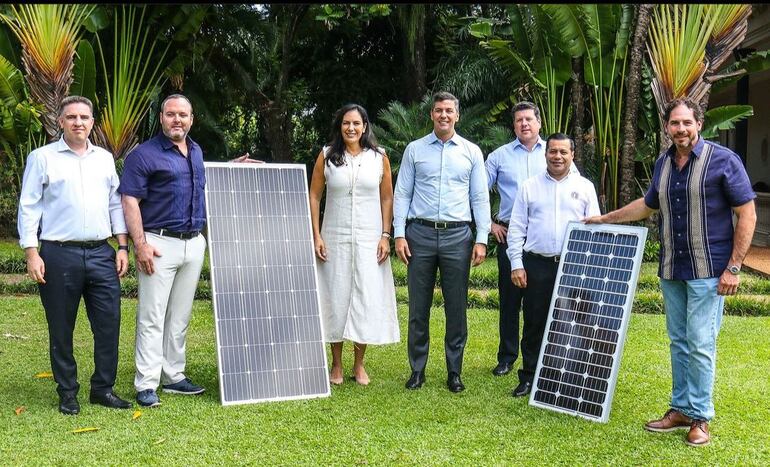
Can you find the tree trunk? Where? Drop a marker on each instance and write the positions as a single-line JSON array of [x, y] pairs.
[[278, 131], [411, 19], [633, 81], [578, 109], [275, 111]]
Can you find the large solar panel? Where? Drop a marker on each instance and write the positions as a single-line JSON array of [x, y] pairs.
[[264, 283], [589, 315]]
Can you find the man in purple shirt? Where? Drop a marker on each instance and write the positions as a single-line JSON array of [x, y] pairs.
[[696, 188], [163, 201]]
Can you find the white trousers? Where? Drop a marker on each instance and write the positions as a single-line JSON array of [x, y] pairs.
[[164, 309]]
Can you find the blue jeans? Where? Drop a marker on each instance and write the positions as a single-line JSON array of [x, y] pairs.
[[693, 317]]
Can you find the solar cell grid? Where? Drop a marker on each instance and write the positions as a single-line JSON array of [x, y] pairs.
[[268, 328], [589, 316]]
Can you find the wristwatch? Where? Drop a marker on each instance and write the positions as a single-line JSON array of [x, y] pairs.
[[123, 247], [734, 269]]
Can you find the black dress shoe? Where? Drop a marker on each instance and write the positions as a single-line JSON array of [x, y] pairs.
[[522, 389], [109, 399], [502, 369], [454, 383], [416, 380], [68, 405]]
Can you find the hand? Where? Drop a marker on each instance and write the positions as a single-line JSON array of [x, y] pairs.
[[383, 250], [593, 220], [320, 248], [121, 262], [402, 250], [479, 254], [144, 254], [36, 267], [519, 278], [246, 158], [728, 283], [500, 232]]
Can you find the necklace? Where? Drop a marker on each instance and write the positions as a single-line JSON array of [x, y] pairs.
[[355, 169]]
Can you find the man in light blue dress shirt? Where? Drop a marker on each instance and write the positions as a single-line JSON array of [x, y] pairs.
[[70, 195], [507, 167], [441, 181]]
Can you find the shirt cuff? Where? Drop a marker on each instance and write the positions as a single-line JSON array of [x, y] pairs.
[[517, 264], [482, 237], [398, 231], [28, 243]]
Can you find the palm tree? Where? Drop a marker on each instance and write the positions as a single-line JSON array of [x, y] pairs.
[[134, 82], [529, 51], [599, 34], [630, 126], [49, 35], [688, 44]]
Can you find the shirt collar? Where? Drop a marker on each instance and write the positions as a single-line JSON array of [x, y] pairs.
[[454, 139], [517, 143], [62, 146], [697, 150], [572, 173], [167, 144]]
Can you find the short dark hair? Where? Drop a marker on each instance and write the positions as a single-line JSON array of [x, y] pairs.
[[174, 96], [560, 137], [697, 109], [445, 96], [75, 100], [525, 105]]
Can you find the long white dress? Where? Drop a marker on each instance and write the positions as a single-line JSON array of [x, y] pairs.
[[358, 298]]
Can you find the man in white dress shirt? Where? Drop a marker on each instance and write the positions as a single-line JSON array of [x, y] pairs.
[[544, 205], [69, 193]]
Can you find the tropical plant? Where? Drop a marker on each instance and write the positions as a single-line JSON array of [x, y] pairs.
[[633, 103], [133, 84], [401, 124], [599, 34], [20, 132], [49, 35], [687, 46], [528, 49]]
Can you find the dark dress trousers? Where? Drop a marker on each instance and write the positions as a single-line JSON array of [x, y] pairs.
[[448, 251], [510, 306], [541, 277], [72, 272]]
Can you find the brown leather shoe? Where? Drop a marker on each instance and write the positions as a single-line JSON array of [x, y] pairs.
[[699, 434], [672, 420]]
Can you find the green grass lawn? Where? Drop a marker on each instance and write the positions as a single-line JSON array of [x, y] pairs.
[[383, 423]]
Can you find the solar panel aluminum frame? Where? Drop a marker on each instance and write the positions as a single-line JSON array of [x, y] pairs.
[[641, 233], [212, 264]]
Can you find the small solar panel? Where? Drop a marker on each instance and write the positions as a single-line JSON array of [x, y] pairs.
[[263, 278], [589, 315]]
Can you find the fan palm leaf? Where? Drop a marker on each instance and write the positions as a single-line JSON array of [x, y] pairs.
[[134, 82], [49, 36]]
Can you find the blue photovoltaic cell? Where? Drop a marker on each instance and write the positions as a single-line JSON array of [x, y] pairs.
[[265, 295], [586, 328]]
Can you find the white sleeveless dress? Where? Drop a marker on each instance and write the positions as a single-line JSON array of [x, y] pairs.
[[357, 295]]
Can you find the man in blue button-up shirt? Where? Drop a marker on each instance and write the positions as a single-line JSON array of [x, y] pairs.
[[163, 200], [696, 187], [507, 168], [440, 183]]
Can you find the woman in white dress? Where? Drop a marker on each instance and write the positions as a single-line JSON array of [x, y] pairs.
[[355, 281]]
